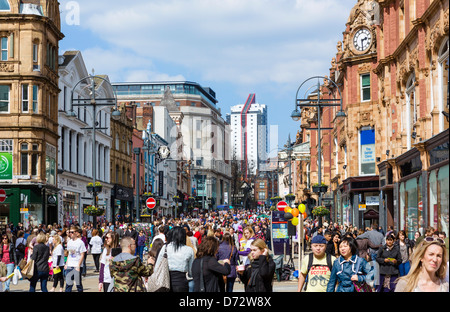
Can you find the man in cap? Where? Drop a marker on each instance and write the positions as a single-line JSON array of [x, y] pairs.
[[316, 267]]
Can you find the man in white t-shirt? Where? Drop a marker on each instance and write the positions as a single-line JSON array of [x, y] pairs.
[[77, 252]]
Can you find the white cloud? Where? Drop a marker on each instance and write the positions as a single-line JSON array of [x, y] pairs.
[[240, 41]]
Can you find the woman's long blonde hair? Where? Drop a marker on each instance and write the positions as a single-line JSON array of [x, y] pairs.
[[412, 278]]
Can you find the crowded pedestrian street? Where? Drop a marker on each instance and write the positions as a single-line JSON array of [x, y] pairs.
[[219, 154]]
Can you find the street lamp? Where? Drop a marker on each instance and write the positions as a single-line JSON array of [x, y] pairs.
[[137, 152], [318, 103], [296, 116], [90, 84]]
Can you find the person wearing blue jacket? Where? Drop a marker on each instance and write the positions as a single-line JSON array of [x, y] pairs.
[[345, 268]]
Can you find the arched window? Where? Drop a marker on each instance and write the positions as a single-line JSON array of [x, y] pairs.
[[4, 5], [411, 109], [443, 82]]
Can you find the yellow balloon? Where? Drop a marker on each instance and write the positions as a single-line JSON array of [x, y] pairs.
[[294, 221], [295, 212], [302, 208], [289, 210]]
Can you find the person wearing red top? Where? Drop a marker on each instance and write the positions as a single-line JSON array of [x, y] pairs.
[[7, 256], [198, 235]]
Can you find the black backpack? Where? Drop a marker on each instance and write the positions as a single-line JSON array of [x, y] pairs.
[[21, 247], [310, 264]]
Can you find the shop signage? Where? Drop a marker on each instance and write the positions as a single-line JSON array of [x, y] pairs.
[[6, 166], [372, 200]]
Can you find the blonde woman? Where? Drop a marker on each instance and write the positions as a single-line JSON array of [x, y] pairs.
[[41, 253], [428, 268], [58, 263], [258, 276], [248, 237]]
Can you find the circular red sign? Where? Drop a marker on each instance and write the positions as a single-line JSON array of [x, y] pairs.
[[151, 203], [281, 205], [2, 195]]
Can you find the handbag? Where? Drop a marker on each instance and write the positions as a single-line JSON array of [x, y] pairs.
[[202, 283], [361, 286], [224, 276], [28, 270], [3, 269], [22, 263], [159, 281]]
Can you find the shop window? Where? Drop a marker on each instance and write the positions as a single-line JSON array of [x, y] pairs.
[[412, 207], [443, 199]]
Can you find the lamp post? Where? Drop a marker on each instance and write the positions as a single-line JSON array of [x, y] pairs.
[[91, 83], [317, 103], [137, 152]]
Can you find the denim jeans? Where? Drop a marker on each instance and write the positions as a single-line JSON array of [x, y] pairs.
[[72, 276], [404, 268], [39, 276], [9, 269]]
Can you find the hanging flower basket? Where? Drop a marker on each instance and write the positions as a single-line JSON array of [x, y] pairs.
[[97, 187], [94, 211], [320, 211], [289, 197], [320, 188]]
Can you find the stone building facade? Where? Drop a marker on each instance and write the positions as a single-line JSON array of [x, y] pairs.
[[29, 34]]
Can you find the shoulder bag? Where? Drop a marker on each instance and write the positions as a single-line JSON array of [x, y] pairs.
[[202, 283], [159, 281], [225, 276], [361, 286]]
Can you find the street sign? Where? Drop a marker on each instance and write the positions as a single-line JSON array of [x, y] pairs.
[[281, 205], [151, 203], [2, 195]]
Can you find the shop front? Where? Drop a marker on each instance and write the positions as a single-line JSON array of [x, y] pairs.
[[357, 201], [31, 204], [121, 201], [424, 185]]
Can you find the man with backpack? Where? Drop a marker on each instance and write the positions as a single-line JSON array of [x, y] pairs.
[[316, 267]]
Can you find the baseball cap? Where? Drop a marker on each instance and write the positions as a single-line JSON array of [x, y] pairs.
[[318, 239]]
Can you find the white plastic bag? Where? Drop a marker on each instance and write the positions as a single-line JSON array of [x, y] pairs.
[[17, 276]]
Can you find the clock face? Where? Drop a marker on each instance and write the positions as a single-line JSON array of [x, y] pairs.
[[362, 39]]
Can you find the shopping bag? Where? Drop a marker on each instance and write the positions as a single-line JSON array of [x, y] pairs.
[[17, 276], [28, 270], [159, 281]]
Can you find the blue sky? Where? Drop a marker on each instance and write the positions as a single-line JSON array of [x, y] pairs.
[[235, 47]]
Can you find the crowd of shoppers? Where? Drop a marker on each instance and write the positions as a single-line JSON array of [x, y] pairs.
[[211, 252]]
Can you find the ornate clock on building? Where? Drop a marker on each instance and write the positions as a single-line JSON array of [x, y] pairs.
[[362, 39]]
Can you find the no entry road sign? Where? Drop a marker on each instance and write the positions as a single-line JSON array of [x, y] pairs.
[[281, 205], [2, 195], [151, 203]]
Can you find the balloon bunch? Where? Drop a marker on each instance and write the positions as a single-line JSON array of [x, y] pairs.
[[293, 213]]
